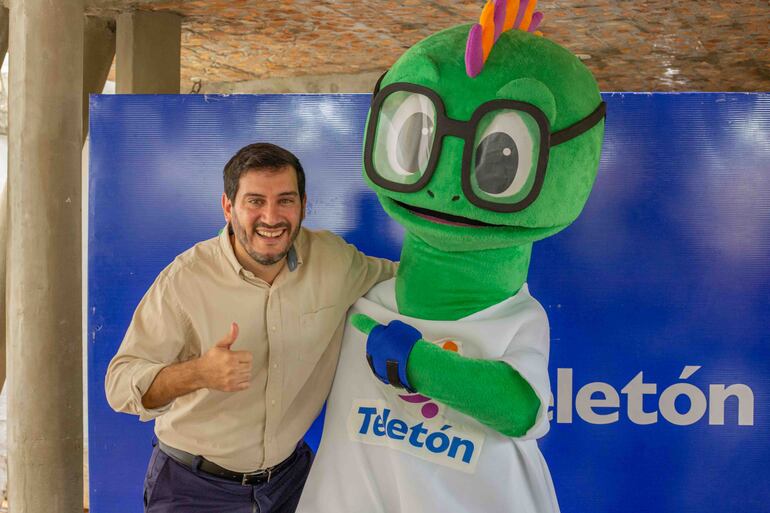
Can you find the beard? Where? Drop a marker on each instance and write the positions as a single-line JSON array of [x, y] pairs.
[[262, 258]]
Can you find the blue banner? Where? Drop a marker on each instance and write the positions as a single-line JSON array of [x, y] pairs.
[[658, 296]]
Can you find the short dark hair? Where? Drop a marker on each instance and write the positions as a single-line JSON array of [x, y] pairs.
[[260, 156]]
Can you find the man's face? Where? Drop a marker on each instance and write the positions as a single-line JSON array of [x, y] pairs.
[[266, 214]]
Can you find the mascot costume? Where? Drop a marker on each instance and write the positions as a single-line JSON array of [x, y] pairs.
[[480, 140]]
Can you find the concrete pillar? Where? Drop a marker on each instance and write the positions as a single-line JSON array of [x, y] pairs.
[[3, 246], [98, 53], [45, 403], [148, 52], [4, 14]]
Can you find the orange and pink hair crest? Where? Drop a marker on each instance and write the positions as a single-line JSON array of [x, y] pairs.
[[498, 16]]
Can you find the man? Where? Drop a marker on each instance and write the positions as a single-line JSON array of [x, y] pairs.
[[234, 347]]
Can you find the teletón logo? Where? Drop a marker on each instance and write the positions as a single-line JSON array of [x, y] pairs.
[[681, 404], [377, 423]]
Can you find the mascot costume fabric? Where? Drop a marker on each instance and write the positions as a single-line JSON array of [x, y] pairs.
[[480, 140]]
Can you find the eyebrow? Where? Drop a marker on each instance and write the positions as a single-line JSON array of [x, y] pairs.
[[282, 194]]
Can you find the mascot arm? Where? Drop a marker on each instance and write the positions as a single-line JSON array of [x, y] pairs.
[[490, 391]]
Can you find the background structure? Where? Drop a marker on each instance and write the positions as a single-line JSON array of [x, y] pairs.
[[219, 46]]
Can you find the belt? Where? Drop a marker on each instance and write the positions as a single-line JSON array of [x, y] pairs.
[[245, 478]]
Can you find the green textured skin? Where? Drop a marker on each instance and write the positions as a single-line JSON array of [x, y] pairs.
[[449, 272]]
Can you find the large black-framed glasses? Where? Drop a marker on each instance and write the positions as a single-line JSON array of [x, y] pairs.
[[505, 153]]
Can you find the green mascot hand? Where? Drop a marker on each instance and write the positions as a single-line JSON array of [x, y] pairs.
[[388, 349], [363, 323]]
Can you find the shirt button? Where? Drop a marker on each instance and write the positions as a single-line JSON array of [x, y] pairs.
[[272, 402], [272, 328], [275, 365]]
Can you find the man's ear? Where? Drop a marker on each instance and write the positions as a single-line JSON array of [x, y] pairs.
[[227, 207]]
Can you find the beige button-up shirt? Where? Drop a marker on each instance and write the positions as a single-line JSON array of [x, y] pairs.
[[293, 328]]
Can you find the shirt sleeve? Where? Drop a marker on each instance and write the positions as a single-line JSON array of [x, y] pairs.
[[365, 272], [155, 339], [527, 354]]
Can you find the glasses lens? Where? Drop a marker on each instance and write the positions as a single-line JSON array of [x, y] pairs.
[[404, 137], [505, 156]]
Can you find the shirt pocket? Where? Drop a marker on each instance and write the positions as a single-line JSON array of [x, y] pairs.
[[317, 328]]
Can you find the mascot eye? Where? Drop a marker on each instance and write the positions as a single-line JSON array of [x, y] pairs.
[[497, 160], [413, 142], [505, 155], [405, 135]]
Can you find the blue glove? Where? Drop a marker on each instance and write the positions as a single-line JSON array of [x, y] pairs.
[[387, 351]]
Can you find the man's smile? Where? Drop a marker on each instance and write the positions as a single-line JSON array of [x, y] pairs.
[[274, 233]]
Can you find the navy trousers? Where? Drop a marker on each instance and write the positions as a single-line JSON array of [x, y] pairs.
[[170, 487]]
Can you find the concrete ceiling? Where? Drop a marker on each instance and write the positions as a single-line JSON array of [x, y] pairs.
[[656, 45]]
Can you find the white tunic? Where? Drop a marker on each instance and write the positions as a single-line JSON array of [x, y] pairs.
[[385, 450]]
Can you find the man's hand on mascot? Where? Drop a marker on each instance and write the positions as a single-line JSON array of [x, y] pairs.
[[388, 348]]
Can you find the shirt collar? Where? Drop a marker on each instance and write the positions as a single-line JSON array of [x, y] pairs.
[[298, 248]]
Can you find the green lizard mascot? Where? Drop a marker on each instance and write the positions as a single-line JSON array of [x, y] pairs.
[[480, 140]]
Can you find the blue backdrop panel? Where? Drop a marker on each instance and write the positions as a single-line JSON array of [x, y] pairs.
[[658, 296]]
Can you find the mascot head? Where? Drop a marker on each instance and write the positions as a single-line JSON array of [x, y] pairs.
[[485, 136]]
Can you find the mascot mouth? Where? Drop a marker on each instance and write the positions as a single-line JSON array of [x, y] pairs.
[[442, 218]]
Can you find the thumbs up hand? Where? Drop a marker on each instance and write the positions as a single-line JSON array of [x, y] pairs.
[[222, 368]]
